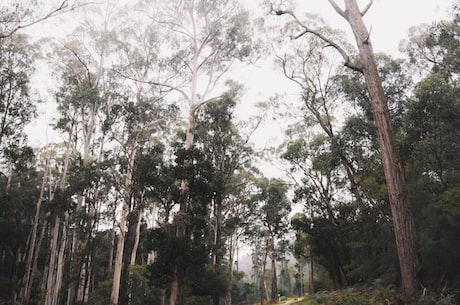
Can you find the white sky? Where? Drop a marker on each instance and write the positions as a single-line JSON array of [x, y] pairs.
[[389, 20]]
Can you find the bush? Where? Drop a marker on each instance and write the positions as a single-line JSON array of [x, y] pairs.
[[354, 296]]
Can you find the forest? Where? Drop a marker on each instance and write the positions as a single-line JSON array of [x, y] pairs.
[[154, 192]]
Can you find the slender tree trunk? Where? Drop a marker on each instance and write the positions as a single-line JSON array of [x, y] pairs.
[[119, 256], [78, 249], [218, 242], [263, 285], [123, 223], [60, 261], [35, 262], [137, 236], [403, 221], [112, 239], [231, 254], [14, 275], [274, 284], [174, 298], [27, 279], [311, 275], [181, 217], [163, 296], [51, 276]]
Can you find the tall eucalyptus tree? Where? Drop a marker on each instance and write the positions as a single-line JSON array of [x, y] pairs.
[[200, 41], [404, 226]]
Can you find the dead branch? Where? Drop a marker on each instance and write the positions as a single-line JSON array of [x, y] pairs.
[[337, 8], [330, 42], [64, 7], [363, 12]]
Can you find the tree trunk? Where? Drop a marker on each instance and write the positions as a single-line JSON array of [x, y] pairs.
[[274, 292], [60, 261], [14, 275], [311, 276], [263, 286], [217, 241], [112, 239], [35, 262], [231, 253], [51, 276], [56, 261], [137, 236], [404, 227], [123, 223], [27, 279], [180, 219]]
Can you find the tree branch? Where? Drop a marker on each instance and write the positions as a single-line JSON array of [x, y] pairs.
[[367, 8], [338, 9], [330, 42], [63, 8]]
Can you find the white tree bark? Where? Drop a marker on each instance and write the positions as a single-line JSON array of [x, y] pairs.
[[123, 224]]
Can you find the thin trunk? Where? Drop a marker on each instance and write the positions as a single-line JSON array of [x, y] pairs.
[[27, 283], [35, 261], [51, 276], [136, 237], [163, 296], [178, 274], [174, 298], [60, 262], [85, 289], [123, 223], [274, 284], [112, 239], [231, 253], [218, 242], [14, 275], [77, 255], [263, 286], [54, 271], [119, 256], [311, 275], [403, 221]]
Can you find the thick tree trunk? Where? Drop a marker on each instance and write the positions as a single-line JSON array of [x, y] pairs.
[[404, 227]]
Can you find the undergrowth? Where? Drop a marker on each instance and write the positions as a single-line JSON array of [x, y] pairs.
[[368, 296]]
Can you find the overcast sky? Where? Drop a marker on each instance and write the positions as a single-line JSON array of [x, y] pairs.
[[389, 21]]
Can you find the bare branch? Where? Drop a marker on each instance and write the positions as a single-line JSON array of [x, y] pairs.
[[338, 9], [61, 9], [330, 42], [168, 87], [367, 8]]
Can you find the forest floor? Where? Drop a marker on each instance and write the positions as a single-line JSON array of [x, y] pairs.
[[288, 302]]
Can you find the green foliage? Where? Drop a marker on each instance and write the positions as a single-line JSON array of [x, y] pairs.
[[17, 102], [354, 296]]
